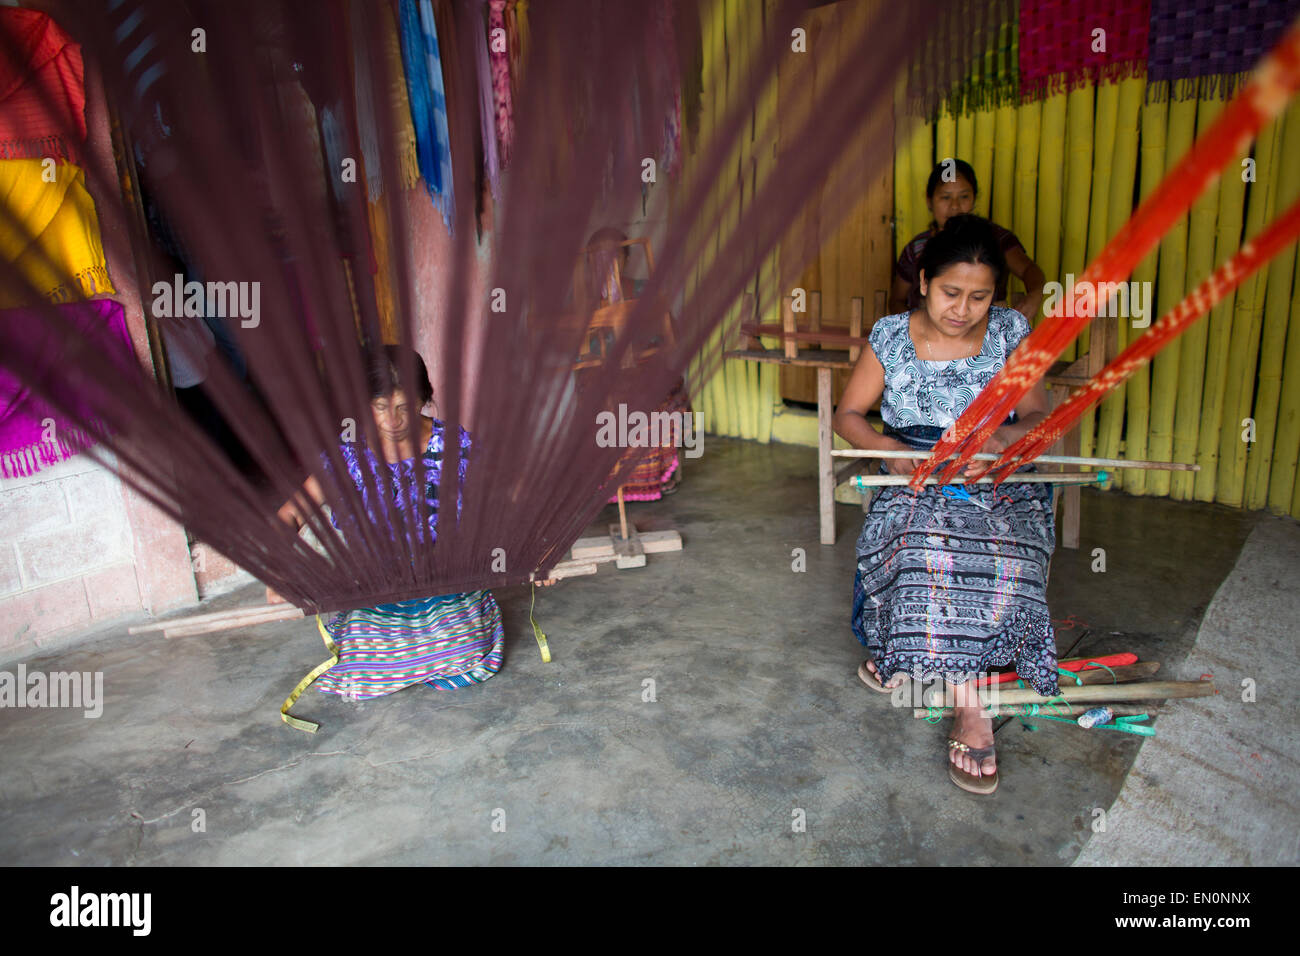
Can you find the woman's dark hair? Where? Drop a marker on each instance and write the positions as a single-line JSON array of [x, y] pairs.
[[387, 367], [962, 169], [964, 238]]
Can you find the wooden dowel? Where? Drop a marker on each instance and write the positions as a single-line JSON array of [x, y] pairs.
[[1014, 710], [1067, 478], [622, 514], [1153, 690], [233, 613], [285, 612], [1042, 459]]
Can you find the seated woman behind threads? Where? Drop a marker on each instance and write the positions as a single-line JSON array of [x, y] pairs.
[[658, 469], [948, 588], [951, 191], [448, 641]]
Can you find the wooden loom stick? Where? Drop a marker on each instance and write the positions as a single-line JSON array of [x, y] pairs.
[[1066, 478], [1152, 690], [1050, 710], [1041, 459], [274, 613], [234, 613]]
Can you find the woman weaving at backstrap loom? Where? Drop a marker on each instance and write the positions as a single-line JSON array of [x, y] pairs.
[[944, 587], [449, 641]]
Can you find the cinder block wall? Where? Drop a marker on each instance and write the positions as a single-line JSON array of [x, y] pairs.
[[68, 559]]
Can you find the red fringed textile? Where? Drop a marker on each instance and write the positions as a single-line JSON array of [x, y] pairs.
[[1251, 257], [1264, 97], [1059, 49], [42, 88]]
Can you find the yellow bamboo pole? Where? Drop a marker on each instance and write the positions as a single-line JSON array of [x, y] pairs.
[[1077, 167], [1123, 173], [982, 159], [923, 160], [1227, 240], [1003, 186], [747, 28], [1096, 122], [1046, 247], [905, 178], [1273, 338], [1155, 115], [1247, 324], [1192, 367], [1171, 286], [713, 15], [1029, 117], [965, 136], [1282, 489], [766, 122], [945, 138]]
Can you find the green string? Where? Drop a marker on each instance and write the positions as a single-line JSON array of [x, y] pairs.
[[1113, 678]]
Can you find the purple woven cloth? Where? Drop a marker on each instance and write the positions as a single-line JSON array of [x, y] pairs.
[[1191, 38], [32, 434]]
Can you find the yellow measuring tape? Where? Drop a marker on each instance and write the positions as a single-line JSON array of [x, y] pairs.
[[537, 631], [297, 722]]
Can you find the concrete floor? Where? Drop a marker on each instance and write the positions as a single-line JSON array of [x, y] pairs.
[[758, 714]]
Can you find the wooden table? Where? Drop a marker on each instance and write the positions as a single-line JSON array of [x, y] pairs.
[[825, 361]]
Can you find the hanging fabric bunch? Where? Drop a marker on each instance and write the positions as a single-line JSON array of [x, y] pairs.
[[498, 44], [1190, 39], [1065, 45], [42, 91], [427, 93]]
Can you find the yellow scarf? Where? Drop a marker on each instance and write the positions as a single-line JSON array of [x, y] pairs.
[[51, 234]]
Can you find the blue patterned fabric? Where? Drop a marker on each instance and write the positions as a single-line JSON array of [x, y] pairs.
[[934, 394], [946, 588], [428, 98]]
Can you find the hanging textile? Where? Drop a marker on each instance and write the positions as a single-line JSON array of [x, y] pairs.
[[487, 114], [32, 434], [952, 48], [53, 237], [994, 79], [517, 35], [502, 102], [1065, 45], [42, 89], [1223, 39], [424, 86], [365, 75]]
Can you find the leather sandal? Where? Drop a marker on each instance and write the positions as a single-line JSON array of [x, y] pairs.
[[972, 782]]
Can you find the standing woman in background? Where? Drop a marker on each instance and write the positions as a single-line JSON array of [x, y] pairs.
[[955, 196]]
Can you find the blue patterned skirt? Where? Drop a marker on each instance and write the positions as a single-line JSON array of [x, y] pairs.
[[945, 589]]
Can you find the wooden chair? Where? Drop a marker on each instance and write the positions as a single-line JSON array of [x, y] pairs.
[[598, 276]]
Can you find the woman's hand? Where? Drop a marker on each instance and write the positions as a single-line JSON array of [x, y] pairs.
[[272, 597], [997, 443], [903, 466]]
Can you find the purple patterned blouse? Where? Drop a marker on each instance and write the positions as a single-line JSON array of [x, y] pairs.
[[396, 482]]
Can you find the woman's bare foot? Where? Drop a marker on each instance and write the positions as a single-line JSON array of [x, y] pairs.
[[893, 682], [976, 732]]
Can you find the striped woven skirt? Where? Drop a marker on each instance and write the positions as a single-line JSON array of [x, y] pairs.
[[945, 589], [450, 641]]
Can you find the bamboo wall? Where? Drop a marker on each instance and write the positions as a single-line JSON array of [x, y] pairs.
[[1064, 173]]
